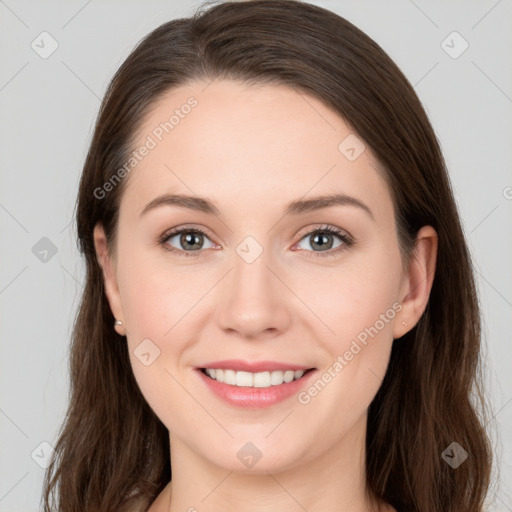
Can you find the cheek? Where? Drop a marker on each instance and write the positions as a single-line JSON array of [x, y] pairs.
[[161, 307], [361, 309], [155, 299], [354, 298]]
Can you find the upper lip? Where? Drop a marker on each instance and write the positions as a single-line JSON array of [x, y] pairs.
[[240, 365]]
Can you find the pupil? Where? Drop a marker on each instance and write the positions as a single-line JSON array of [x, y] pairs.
[[188, 238], [323, 240]]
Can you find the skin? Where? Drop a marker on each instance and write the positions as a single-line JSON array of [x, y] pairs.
[[253, 149]]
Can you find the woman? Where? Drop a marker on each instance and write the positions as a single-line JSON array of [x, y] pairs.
[[280, 305]]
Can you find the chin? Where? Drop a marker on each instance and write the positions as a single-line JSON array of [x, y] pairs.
[[259, 456]]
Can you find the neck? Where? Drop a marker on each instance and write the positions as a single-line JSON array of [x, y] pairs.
[[333, 481]]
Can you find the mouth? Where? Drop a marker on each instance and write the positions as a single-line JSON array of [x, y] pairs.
[[254, 385], [265, 379]]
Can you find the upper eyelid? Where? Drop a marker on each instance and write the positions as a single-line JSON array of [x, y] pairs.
[[170, 233], [327, 227]]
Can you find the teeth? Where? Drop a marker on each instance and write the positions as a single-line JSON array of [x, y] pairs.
[[256, 380], [230, 377], [243, 379], [288, 376]]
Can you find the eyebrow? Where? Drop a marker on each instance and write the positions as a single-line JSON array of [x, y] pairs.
[[297, 207]]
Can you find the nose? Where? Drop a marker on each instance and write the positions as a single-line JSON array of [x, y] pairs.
[[254, 301]]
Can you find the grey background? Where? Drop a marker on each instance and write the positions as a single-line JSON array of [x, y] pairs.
[[48, 107]]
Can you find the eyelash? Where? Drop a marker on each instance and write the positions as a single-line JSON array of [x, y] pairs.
[[346, 239]]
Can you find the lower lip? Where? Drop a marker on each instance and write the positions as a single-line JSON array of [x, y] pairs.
[[255, 398]]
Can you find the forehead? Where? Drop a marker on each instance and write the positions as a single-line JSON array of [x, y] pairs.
[[255, 145]]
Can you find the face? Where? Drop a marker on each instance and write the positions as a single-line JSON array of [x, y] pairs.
[[263, 278]]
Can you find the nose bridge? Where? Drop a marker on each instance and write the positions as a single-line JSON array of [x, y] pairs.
[[254, 298], [250, 270], [251, 277]]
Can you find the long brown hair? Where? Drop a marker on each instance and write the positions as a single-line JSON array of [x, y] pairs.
[[112, 449]]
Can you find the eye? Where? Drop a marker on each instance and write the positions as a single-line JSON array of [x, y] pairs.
[[188, 240], [323, 239]]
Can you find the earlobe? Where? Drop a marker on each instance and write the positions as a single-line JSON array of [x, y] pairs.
[[419, 279], [108, 268]]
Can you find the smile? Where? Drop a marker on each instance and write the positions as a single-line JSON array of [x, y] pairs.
[[253, 380], [254, 385]]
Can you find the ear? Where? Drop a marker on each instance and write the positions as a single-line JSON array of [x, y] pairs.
[[416, 286], [108, 266]]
